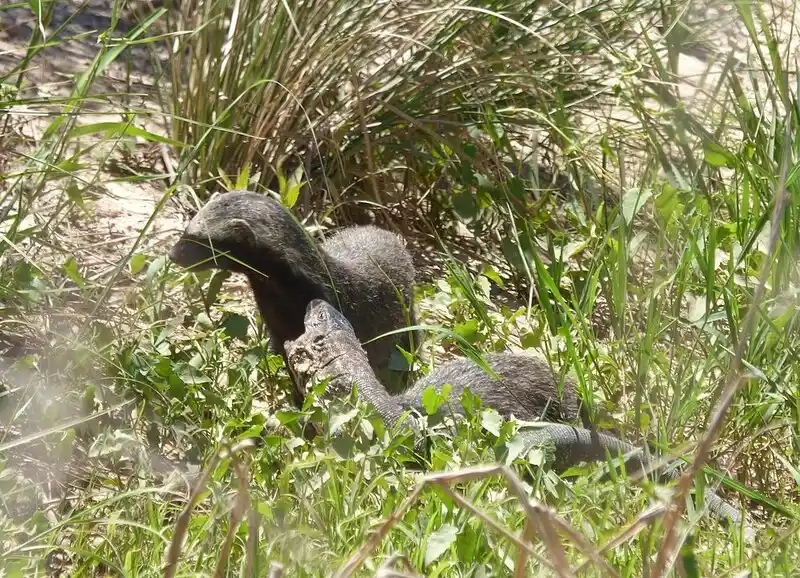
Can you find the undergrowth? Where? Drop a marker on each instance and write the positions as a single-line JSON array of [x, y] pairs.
[[563, 191]]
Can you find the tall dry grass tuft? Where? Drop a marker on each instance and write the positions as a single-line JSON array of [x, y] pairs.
[[387, 98]]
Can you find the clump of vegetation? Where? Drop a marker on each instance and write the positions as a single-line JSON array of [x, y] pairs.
[[585, 196]]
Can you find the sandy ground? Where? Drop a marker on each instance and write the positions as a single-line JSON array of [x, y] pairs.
[[118, 209]]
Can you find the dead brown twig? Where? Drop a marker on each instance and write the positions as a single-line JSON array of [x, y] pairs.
[[181, 526]]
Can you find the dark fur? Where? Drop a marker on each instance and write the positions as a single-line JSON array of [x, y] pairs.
[[361, 270]]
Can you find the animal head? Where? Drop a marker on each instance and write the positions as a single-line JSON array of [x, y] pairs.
[[328, 338], [232, 231], [328, 333], [323, 318]]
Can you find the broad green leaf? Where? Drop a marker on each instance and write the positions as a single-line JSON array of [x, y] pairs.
[[464, 206], [668, 204], [432, 400], [190, 375], [252, 432], [338, 419], [717, 156], [292, 194], [155, 267], [70, 267], [236, 325], [137, 263], [491, 420], [287, 416], [633, 201], [468, 330], [439, 542], [467, 543], [514, 447], [491, 273]]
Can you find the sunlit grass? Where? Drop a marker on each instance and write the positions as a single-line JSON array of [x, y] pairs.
[[621, 229]]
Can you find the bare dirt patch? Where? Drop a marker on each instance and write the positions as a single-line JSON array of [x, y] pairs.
[[117, 207]]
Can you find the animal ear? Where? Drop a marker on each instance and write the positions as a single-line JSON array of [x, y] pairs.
[[242, 231]]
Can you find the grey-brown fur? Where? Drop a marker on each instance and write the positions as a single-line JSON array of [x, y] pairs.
[[329, 350], [525, 386], [366, 271]]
